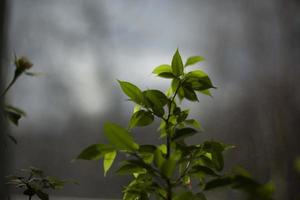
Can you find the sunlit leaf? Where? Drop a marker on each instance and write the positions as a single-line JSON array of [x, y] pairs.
[[108, 161], [132, 91], [193, 60], [164, 71]]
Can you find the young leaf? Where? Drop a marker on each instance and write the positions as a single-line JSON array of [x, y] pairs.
[[119, 137], [206, 92], [193, 60], [177, 65], [132, 91], [141, 118], [108, 161], [164, 71]]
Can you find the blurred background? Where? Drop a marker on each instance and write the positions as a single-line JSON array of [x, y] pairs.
[[252, 51]]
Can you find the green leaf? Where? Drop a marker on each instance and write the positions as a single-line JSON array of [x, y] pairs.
[[194, 123], [206, 92], [164, 71], [216, 149], [15, 109], [183, 133], [14, 114], [156, 100], [216, 183], [189, 93], [13, 117], [119, 137], [177, 65], [168, 167], [108, 161], [183, 115], [147, 153], [193, 60], [141, 118], [132, 91], [198, 80], [203, 170], [158, 158], [95, 152], [136, 108], [130, 168]]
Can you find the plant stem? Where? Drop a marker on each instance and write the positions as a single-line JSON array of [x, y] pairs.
[[169, 185], [9, 86], [30, 197]]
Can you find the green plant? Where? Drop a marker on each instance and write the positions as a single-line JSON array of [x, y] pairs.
[[34, 182], [12, 113], [174, 169]]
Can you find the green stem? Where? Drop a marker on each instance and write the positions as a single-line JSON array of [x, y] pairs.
[[169, 185]]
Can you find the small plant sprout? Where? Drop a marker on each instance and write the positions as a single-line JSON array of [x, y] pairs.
[[33, 182]]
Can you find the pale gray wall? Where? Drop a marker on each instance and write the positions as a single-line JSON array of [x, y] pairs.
[[252, 52]]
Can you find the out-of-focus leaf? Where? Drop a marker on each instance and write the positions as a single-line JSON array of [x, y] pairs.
[[183, 133], [119, 137], [95, 152], [194, 123], [141, 118], [219, 182], [130, 168], [42, 195], [193, 60], [12, 138], [108, 161]]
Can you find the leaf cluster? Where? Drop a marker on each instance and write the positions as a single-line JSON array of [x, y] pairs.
[[13, 113], [174, 169]]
